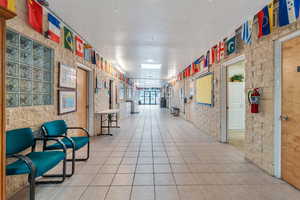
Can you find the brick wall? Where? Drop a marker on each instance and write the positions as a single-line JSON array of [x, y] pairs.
[[34, 116], [259, 73]]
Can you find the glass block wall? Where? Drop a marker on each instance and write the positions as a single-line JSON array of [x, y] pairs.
[[29, 72]]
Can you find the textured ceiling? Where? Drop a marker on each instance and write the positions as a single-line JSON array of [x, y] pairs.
[[170, 32]]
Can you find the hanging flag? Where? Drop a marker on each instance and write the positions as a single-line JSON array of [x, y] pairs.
[[9, 4], [79, 46], [54, 28], [93, 57], [87, 52], [288, 11], [69, 39], [221, 51], [188, 71], [35, 15], [264, 26], [247, 31], [197, 65], [212, 55], [231, 45], [206, 64], [271, 15]]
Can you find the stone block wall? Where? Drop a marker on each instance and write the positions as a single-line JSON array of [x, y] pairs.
[[34, 116], [259, 72]]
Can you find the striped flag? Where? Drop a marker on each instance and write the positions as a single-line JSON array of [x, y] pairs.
[[247, 31], [288, 11], [35, 15], [79, 46], [9, 4], [54, 32], [221, 51], [212, 56]]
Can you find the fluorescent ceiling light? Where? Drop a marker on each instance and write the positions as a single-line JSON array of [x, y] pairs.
[[151, 66]]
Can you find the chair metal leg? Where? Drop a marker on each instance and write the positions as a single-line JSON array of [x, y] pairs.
[[31, 179], [63, 176], [87, 155]]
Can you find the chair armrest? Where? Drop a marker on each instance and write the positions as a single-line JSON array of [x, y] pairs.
[[79, 128], [27, 161], [52, 139]]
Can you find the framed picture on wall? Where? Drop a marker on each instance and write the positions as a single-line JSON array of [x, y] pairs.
[[67, 102], [67, 77]]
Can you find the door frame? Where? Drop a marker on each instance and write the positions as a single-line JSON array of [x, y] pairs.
[[5, 14], [90, 92], [223, 104], [278, 100]]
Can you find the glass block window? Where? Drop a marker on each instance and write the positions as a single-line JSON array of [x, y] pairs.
[[29, 72]]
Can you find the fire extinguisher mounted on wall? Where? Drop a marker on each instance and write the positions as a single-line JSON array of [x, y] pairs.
[[254, 100]]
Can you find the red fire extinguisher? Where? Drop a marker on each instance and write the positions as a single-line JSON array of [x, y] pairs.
[[254, 98]]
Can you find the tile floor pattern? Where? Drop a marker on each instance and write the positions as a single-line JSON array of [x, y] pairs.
[[158, 157]]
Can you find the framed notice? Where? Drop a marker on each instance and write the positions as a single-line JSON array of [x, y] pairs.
[[67, 102], [67, 77], [204, 90]]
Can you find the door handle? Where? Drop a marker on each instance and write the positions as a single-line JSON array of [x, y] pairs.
[[284, 118]]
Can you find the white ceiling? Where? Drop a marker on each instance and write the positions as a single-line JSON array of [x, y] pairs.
[[169, 32]]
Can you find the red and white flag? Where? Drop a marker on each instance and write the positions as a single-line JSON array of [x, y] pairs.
[[221, 51], [79, 46], [54, 28], [212, 56]]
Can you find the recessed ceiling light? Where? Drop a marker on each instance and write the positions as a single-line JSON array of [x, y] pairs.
[[151, 66], [150, 60]]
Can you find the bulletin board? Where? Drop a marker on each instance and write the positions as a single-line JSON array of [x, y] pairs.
[[204, 90]]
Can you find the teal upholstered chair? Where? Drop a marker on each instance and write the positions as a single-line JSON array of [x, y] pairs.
[[35, 164], [59, 129]]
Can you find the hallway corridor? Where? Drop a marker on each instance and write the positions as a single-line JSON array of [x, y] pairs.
[[155, 156]]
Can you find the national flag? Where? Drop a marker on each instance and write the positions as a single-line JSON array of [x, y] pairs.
[[79, 46], [206, 64], [69, 39], [9, 4], [288, 11], [87, 53], [196, 66], [54, 28], [188, 71], [247, 31], [93, 57], [202, 63], [231, 45], [264, 26], [35, 15], [212, 55], [271, 16], [221, 51]]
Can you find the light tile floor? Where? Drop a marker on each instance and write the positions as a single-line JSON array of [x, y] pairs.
[[158, 157]]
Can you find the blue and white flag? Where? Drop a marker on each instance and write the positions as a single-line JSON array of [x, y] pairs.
[[54, 28], [288, 11], [247, 31]]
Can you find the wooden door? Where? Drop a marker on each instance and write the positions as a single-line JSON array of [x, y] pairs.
[[291, 112], [82, 98], [2, 109], [5, 14]]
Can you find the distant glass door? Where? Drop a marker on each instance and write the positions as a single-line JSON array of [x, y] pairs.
[[147, 97], [150, 96]]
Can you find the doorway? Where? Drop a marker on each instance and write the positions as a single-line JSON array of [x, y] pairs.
[[82, 98], [233, 108], [111, 87], [236, 108], [149, 96], [290, 112]]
